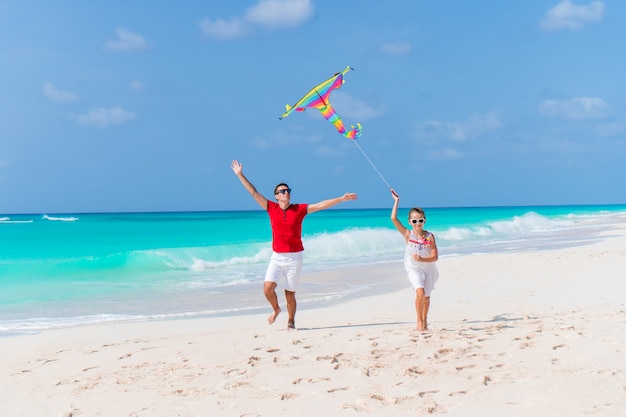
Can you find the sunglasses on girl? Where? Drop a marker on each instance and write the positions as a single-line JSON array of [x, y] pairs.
[[417, 220], [284, 191]]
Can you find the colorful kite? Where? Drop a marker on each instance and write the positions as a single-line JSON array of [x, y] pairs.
[[318, 98]]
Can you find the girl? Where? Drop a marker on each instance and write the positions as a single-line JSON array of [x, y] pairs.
[[419, 259]]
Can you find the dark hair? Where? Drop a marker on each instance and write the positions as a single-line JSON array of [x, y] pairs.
[[282, 184]]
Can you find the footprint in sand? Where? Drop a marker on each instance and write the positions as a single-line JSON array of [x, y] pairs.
[[442, 352], [413, 371], [330, 391], [460, 368], [377, 397], [355, 407], [287, 396], [236, 385]]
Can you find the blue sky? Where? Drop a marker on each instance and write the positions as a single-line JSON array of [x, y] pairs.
[[141, 105]]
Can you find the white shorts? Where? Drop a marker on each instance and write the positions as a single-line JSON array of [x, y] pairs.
[[425, 277], [287, 266]]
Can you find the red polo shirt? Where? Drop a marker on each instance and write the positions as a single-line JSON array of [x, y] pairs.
[[286, 226]]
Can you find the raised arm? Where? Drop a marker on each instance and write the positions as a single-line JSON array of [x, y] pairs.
[[394, 215], [258, 197], [323, 205]]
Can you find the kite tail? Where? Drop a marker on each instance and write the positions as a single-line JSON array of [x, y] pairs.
[[329, 114], [355, 132]]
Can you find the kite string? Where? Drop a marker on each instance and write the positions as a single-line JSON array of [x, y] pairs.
[[371, 163]]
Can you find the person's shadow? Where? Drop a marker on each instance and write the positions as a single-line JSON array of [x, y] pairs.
[[351, 325]]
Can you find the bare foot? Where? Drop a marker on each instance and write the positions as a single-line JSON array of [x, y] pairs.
[[291, 326], [272, 317], [421, 329]]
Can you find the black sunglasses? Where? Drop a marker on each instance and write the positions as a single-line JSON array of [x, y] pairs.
[[284, 191]]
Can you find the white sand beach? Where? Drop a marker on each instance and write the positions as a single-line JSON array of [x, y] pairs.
[[518, 334]]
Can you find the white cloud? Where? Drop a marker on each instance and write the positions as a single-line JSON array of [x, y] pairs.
[[613, 128], [126, 41], [351, 108], [396, 48], [280, 13], [57, 95], [575, 109], [445, 153], [325, 151], [101, 117], [475, 126], [259, 143], [223, 29], [271, 14], [136, 85], [275, 140], [282, 139], [567, 15]]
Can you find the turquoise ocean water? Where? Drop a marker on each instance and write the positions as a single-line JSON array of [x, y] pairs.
[[71, 269]]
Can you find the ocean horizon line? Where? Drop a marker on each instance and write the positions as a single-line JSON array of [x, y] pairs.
[[505, 206]]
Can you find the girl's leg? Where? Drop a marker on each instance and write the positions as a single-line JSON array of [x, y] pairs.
[[425, 306], [420, 300]]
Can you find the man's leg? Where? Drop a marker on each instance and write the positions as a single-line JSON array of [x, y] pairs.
[[293, 271], [269, 288], [291, 308]]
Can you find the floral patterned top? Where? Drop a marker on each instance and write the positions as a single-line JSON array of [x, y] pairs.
[[421, 245]]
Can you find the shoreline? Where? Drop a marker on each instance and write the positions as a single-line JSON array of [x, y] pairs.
[[130, 293], [510, 333], [365, 281]]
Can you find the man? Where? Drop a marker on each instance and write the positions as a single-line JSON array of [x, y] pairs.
[[286, 221]]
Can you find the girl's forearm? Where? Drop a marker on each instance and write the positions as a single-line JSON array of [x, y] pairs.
[[431, 258]]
